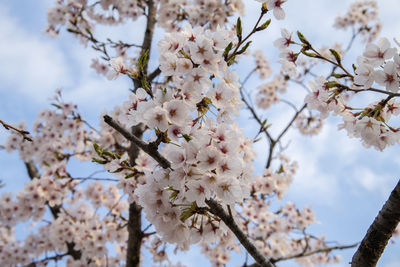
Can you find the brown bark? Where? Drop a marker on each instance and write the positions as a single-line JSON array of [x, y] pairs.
[[136, 235], [379, 233]]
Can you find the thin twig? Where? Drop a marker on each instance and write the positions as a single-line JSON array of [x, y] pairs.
[[94, 179], [23, 133], [309, 253]]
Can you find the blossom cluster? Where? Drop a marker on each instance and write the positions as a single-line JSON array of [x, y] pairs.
[[208, 13], [379, 64], [188, 115], [262, 65], [272, 230], [75, 222], [362, 16], [85, 14], [267, 93], [273, 233], [309, 125], [59, 134], [207, 159]]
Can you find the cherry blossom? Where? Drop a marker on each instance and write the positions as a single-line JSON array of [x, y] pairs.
[[191, 174]]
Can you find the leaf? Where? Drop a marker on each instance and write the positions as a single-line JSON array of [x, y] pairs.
[[303, 39], [99, 161], [263, 123], [231, 61], [264, 8], [98, 149], [244, 48], [188, 212], [264, 25], [239, 29], [303, 51], [227, 49], [56, 105], [331, 84], [72, 31], [336, 55], [143, 60], [337, 75], [187, 137]]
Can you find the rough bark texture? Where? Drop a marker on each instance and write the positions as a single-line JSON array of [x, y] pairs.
[[379, 233], [136, 235], [135, 212]]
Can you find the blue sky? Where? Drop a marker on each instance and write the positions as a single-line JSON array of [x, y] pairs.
[[345, 183]]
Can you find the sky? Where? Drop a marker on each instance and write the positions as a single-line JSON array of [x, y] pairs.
[[345, 183]]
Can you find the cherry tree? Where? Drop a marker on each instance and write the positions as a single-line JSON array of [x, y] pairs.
[[181, 168]]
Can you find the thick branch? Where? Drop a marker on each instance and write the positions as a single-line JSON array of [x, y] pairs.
[[148, 148], [151, 22], [379, 233], [154, 74], [135, 211], [135, 233]]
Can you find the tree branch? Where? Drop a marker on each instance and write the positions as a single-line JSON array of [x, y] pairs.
[[149, 149], [33, 173], [272, 146], [136, 235], [379, 233], [309, 253], [216, 209], [154, 74], [23, 133], [56, 258]]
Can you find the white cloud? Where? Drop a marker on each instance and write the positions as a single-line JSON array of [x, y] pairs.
[[311, 181], [95, 95], [393, 264], [31, 65], [371, 181]]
